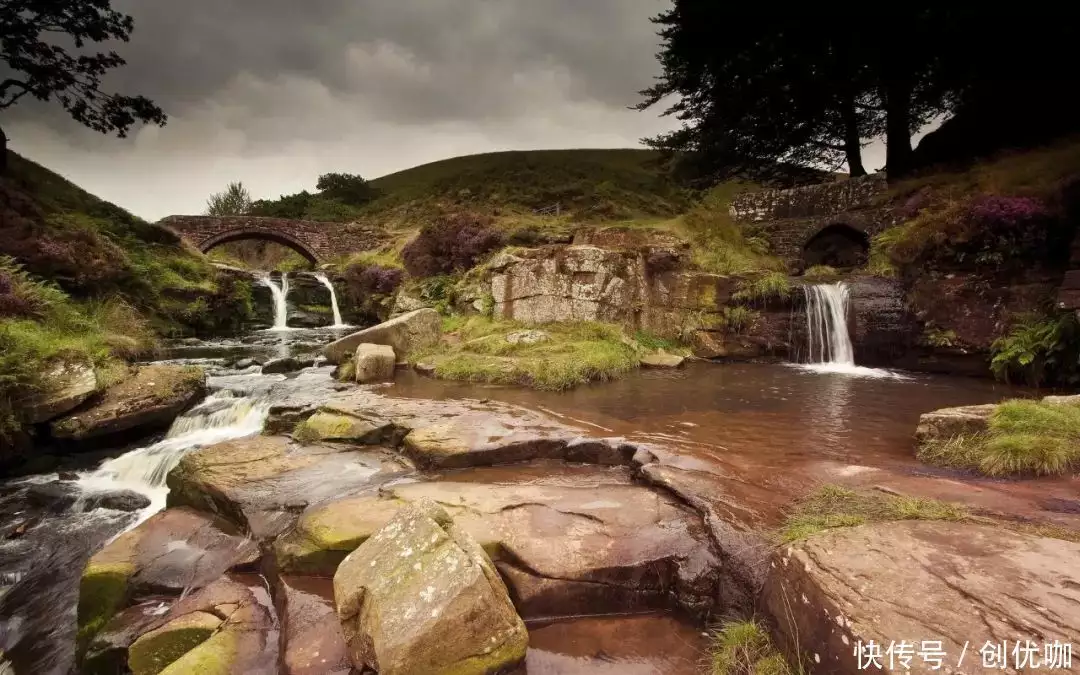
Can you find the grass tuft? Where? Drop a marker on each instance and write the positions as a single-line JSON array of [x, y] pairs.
[[1025, 438], [832, 506], [744, 648], [821, 272], [769, 286]]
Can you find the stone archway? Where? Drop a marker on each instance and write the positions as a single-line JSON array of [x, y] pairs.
[[837, 245], [242, 234]]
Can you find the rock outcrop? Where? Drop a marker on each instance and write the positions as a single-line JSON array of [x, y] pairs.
[[69, 384], [374, 363], [406, 333], [941, 425], [421, 596], [146, 402], [920, 580]]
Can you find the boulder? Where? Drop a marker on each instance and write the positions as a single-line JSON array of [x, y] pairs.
[[1062, 400], [421, 596], [69, 384], [244, 364], [147, 402], [174, 550], [405, 302], [541, 524], [336, 426], [287, 364], [941, 425], [227, 627], [56, 496], [409, 332], [117, 500], [959, 583], [374, 363], [662, 360]]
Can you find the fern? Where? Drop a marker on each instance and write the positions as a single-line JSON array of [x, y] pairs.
[[1040, 350]]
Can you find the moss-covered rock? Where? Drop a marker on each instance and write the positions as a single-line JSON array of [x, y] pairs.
[[333, 426], [421, 596], [103, 591], [154, 651], [327, 533]]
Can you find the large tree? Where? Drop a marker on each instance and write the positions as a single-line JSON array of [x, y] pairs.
[[36, 64], [234, 201]]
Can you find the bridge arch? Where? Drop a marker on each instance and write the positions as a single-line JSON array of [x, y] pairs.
[[263, 234], [837, 245]]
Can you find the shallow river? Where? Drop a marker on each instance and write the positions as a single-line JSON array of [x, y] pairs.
[[776, 427]]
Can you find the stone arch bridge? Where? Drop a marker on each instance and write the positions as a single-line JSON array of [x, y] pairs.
[[829, 223], [316, 241]]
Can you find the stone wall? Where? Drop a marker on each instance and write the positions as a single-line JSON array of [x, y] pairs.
[[789, 219], [316, 241]]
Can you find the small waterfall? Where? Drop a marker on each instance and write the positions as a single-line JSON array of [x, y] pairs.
[[222, 416], [280, 293], [826, 324], [338, 323], [829, 347]]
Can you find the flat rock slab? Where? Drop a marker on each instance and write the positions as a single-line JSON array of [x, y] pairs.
[[146, 402], [463, 433], [175, 550], [71, 384], [568, 539], [941, 425], [920, 580], [261, 483], [662, 360], [228, 627]]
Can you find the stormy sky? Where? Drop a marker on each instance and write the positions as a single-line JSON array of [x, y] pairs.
[[275, 92]]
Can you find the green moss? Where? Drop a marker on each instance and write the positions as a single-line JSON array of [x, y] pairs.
[[576, 353], [326, 426], [1024, 438], [738, 319], [832, 506], [213, 657], [154, 651], [744, 648], [102, 592]]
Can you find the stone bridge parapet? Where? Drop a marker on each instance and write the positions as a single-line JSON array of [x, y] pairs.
[[317, 241]]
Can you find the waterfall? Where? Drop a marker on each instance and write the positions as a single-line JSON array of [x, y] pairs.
[[280, 293], [222, 416], [829, 347], [338, 323], [826, 324]]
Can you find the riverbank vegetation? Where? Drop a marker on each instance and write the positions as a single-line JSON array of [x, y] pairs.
[[560, 356], [743, 647], [833, 506], [82, 280], [1023, 438]]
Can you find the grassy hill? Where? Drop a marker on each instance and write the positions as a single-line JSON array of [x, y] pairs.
[[84, 280]]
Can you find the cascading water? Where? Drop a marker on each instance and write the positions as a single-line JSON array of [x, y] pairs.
[[222, 416], [338, 323], [280, 293], [827, 338], [829, 347]]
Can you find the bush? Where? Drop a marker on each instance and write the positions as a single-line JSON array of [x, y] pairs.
[[451, 244], [1039, 350]]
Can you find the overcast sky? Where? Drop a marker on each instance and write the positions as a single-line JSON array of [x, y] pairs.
[[276, 92]]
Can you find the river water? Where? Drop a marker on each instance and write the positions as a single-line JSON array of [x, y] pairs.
[[773, 425]]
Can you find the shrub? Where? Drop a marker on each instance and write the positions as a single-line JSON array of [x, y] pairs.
[[373, 279], [821, 272], [1039, 350], [453, 243], [738, 319]]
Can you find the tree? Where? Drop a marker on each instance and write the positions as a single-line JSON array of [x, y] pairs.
[[346, 188], [234, 201], [38, 66], [287, 206]]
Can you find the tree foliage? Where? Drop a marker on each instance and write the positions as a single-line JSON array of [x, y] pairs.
[[807, 86], [234, 201], [346, 188], [36, 64]]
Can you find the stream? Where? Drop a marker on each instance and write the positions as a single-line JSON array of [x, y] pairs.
[[777, 426]]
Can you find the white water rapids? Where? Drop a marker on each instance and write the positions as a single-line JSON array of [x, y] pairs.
[[338, 323]]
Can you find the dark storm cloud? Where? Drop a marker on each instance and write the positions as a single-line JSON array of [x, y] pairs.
[[276, 91]]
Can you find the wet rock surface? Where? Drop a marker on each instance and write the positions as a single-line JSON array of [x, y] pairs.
[[262, 483], [952, 582], [313, 642], [374, 363], [421, 596], [406, 333], [288, 364], [146, 402], [71, 382]]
